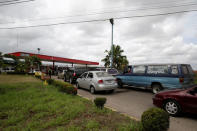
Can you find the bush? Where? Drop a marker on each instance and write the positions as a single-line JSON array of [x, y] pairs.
[[68, 89], [99, 102], [16, 73], [39, 77], [50, 81], [64, 86], [3, 115], [155, 119]]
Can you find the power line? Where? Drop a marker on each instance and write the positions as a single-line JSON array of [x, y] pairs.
[[9, 1], [17, 2], [159, 14], [160, 3], [99, 20], [108, 12]]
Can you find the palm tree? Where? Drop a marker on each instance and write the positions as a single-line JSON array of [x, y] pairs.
[[35, 61], [119, 61], [32, 62], [1, 60]]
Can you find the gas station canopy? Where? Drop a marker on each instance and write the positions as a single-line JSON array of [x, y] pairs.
[[54, 58]]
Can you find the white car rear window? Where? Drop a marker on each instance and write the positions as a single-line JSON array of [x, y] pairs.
[[102, 74]]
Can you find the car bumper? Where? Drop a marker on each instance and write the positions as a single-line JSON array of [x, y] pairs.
[[157, 102], [102, 87]]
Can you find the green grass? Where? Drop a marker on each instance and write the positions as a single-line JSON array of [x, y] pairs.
[[27, 104]]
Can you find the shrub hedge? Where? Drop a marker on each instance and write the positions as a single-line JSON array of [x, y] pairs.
[[16, 73], [63, 86], [100, 101], [155, 119]]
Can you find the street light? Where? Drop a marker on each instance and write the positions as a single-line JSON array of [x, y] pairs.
[[37, 56], [111, 60], [38, 50]]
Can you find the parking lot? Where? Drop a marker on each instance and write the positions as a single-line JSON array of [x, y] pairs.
[[134, 102]]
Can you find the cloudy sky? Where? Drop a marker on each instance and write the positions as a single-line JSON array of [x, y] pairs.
[[158, 39]]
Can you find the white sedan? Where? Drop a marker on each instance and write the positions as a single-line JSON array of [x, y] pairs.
[[97, 81]]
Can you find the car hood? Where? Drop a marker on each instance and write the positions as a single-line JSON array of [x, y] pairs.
[[175, 91]]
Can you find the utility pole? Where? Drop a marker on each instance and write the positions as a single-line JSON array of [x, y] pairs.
[[38, 57], [111, 60]]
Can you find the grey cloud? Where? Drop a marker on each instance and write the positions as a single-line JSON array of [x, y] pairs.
[[144, 40]]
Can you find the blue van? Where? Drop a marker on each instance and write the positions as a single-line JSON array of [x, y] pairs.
[[157, 76]]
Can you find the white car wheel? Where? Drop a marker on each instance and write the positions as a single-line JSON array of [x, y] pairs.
[[77, 85], [70, 80], [172, 107]]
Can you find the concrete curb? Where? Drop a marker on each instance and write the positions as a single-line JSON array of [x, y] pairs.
[[131, 117]]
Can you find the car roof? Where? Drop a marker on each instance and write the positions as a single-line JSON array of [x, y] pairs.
[[95, 71], [106, 68], [158, 64]]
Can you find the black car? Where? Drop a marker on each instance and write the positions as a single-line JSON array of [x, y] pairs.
[[72, 73]]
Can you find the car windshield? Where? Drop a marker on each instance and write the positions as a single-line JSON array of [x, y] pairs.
[[112, 71], [103, 74]]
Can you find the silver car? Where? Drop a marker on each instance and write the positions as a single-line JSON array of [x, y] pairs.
[[97, 81], [60, 74], [111, 71]]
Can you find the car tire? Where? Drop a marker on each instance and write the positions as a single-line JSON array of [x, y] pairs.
[[77, 85], [111, 91], [172, 107], [156, 88], [120, 84], [92, 90]]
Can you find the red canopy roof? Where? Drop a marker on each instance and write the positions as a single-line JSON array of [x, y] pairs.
[[54, 58]]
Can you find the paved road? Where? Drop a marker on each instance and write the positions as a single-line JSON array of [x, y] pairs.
[[134, 102]]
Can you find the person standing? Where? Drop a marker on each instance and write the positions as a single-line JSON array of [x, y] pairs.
[[50, 72]]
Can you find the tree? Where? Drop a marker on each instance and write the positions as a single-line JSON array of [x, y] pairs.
[[25, 66], [119, 61], [35, 61], [18, 65], [32, 62], [1, 60]]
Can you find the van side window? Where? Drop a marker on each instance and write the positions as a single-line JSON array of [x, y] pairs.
[[157, 69], [139, 69], [184, 69], [174, 69]]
